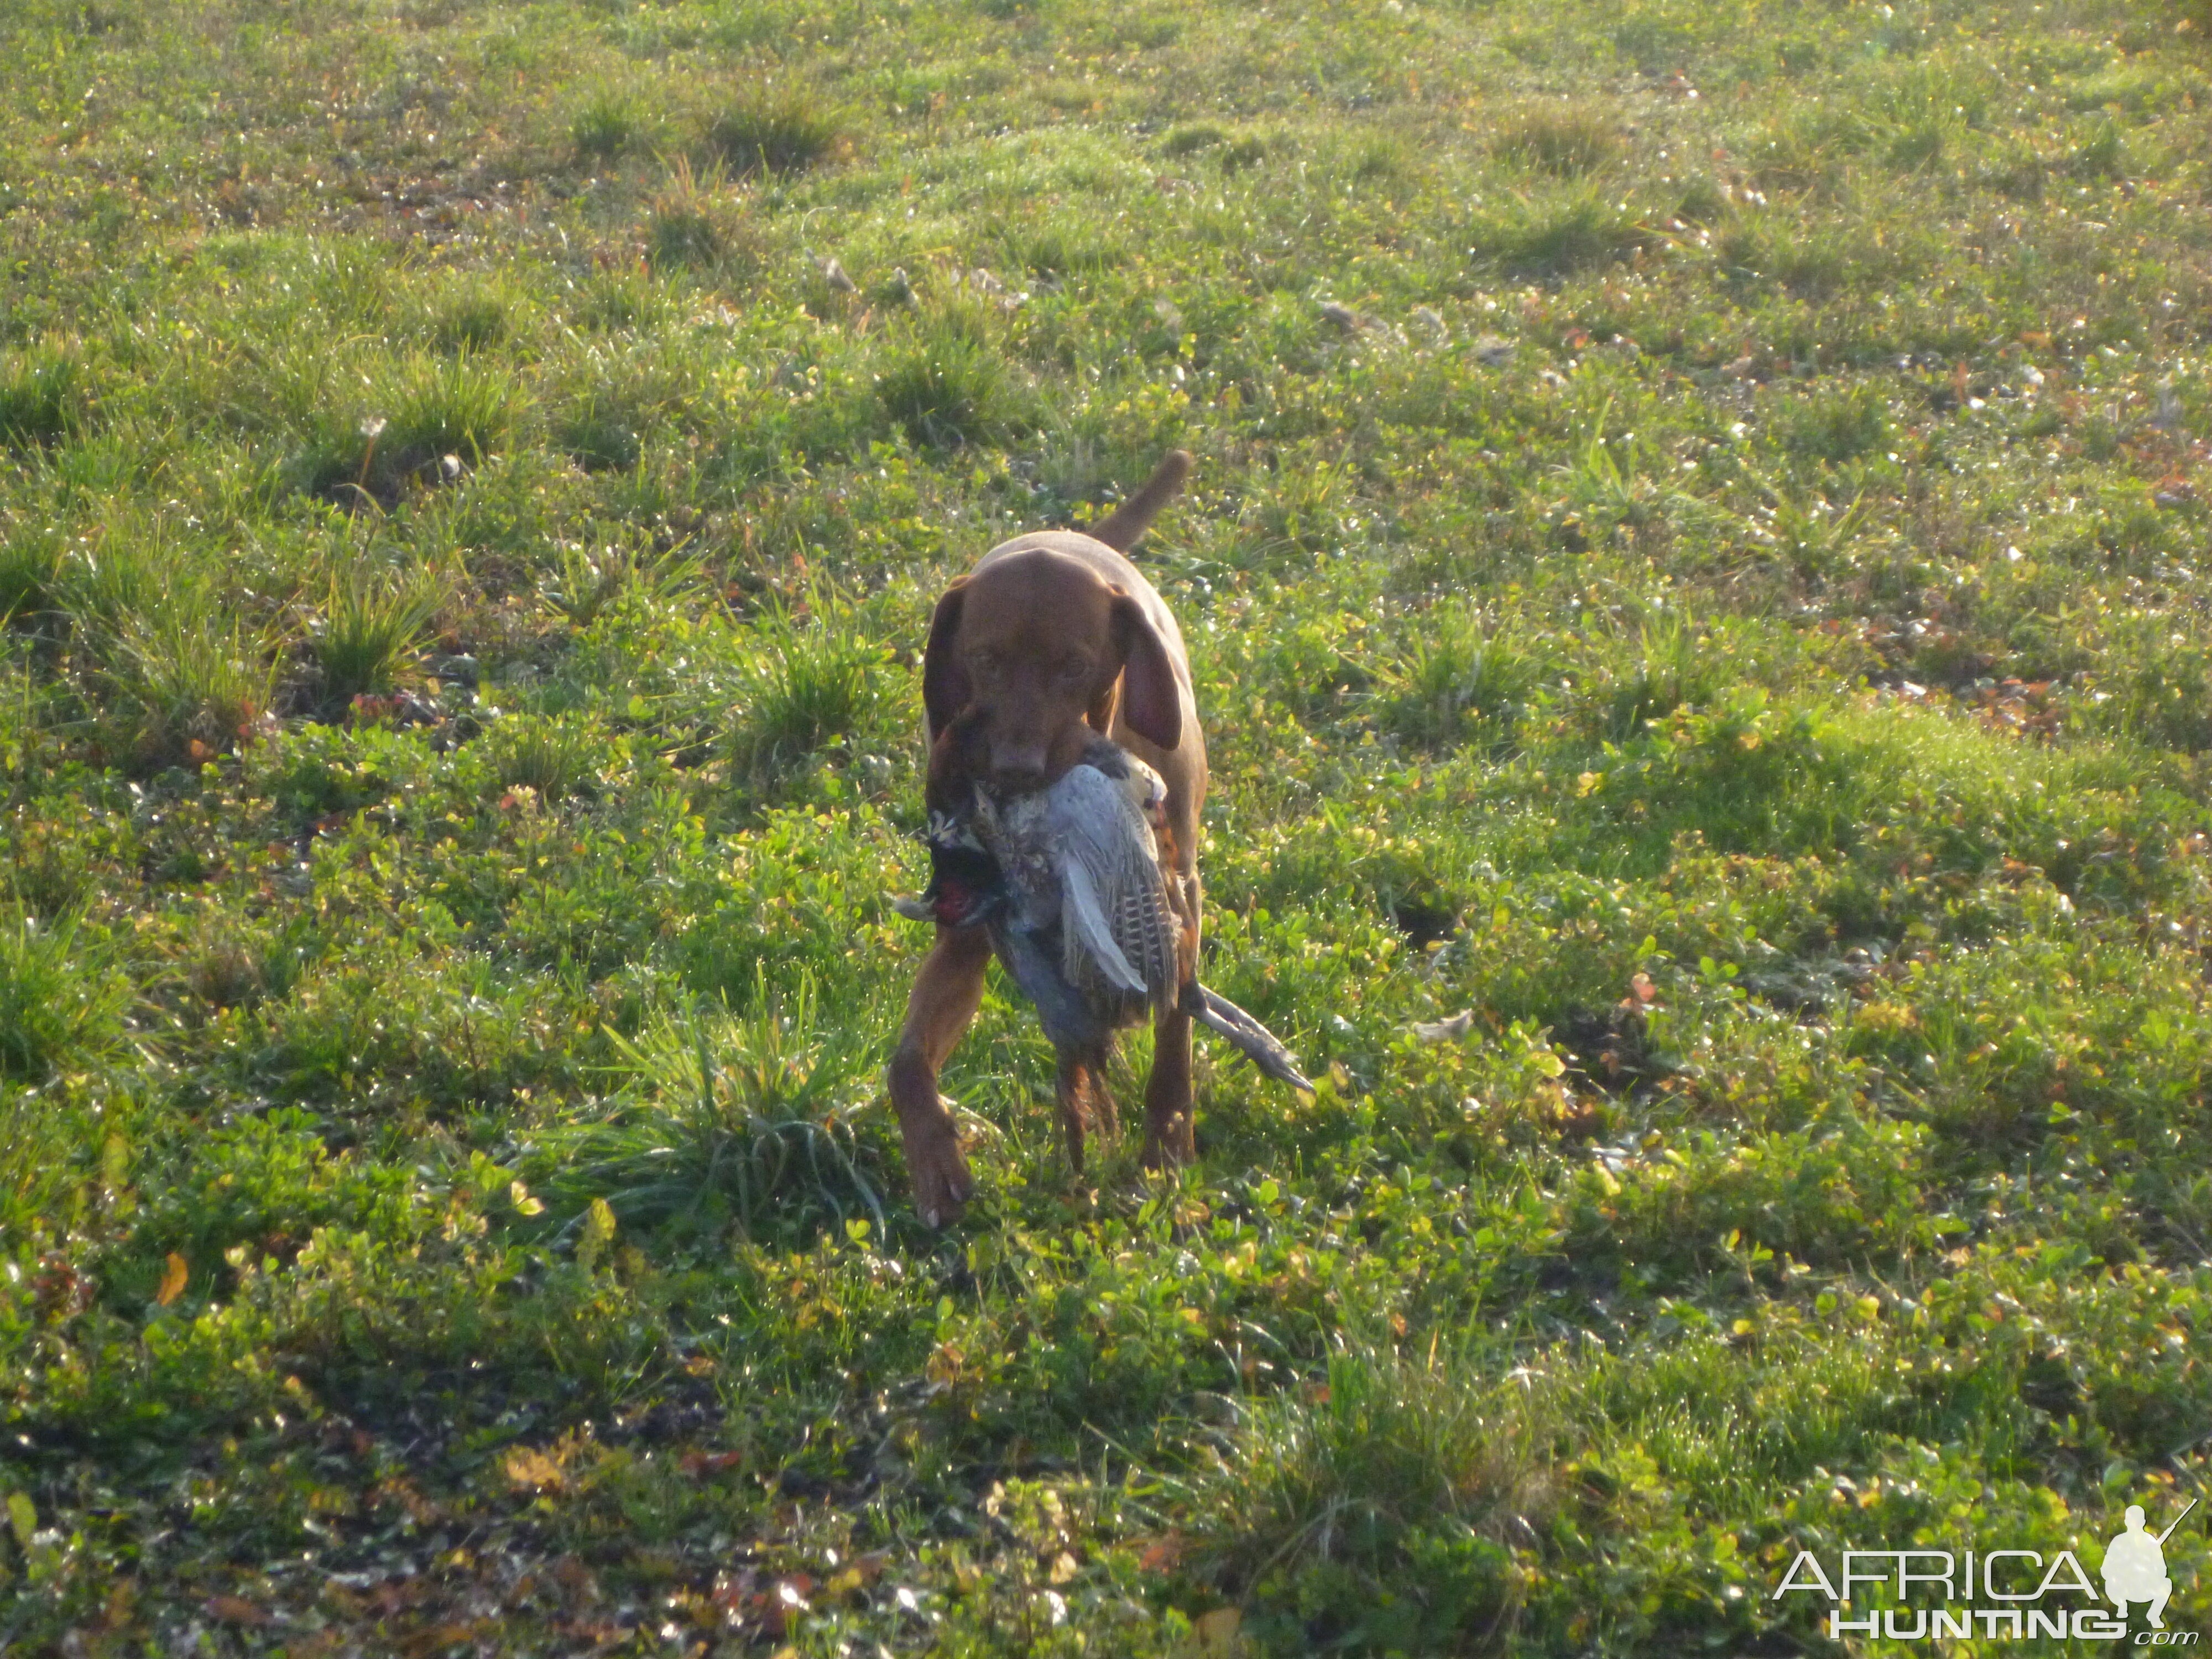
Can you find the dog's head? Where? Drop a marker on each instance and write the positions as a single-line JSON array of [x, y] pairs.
[[1041, 651]]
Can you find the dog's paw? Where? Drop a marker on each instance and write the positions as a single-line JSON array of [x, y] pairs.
[[939, 1172], [1169, 1142]]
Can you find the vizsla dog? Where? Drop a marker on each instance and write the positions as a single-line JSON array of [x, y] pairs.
[[1051, 640]]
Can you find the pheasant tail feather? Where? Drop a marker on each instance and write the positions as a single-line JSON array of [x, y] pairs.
[[1260, 1046]]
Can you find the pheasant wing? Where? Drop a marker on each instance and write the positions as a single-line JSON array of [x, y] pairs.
[[1112, 891]]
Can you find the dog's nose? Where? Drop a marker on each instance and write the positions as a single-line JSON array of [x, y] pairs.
[[1019, 768]]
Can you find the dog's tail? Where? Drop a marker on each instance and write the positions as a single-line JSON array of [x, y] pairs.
[[1127, 524]]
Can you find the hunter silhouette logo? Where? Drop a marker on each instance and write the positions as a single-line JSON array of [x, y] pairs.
[[2135, 1565]]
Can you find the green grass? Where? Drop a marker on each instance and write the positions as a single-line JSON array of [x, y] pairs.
[[58, 1003], [1696, 603], [365, 640], [774, 128], [40, 398]]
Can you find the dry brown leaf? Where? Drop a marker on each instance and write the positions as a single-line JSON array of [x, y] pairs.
[[236, 1610]]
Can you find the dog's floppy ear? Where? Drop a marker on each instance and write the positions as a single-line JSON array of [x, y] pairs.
[[1151, 703], [944, 686]]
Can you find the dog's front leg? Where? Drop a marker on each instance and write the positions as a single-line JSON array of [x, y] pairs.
[[1168, 1111], [946, 992]]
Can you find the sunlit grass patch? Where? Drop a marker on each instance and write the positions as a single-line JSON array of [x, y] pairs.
[[1231, 149], [42, 1157], [426, 419], [1667, 663], [1389, 1464], [1055, 251], [695, 223], [44, 397], [814, 682], [682, 234], [947, 386], [30, 573], [473, 319], [466, 406], [195, 682], [1568, 138], [1194, 136], [1560, 231], [1461, 680], [63, 1000], [776, 127], [610, 121], [599, 435], [102, 583], [624, 298], [365, 636], [1817, 261], [2154, 685], [583, 582], [739, 1118], [554, 757], [1837, 426], [2102, 151]]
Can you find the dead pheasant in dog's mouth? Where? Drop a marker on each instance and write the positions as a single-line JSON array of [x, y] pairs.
[[1071, 882]]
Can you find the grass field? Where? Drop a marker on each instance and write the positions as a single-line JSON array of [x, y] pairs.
[[1694, 564]]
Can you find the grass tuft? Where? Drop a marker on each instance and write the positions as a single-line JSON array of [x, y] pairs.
[[62, 1002], [613, 302], [1557, 232], [1388, 1468], [554, 757], [775, 128], [1837, 426], [610, 122], [1055, 252], [693, 225], [598, 436], [1568, 139], [196, 683], [728, 1120], [1194, 136], [1461, 683], [1669, 665], [471, 321], [30, 573], [42, 397], [812, 684], [947, 388], [464, 406], [364, 640]]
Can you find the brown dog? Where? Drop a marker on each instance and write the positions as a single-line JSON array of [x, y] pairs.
[[1052, 639]]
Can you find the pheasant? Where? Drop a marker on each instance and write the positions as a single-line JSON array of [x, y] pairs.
[[1072, 885]]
